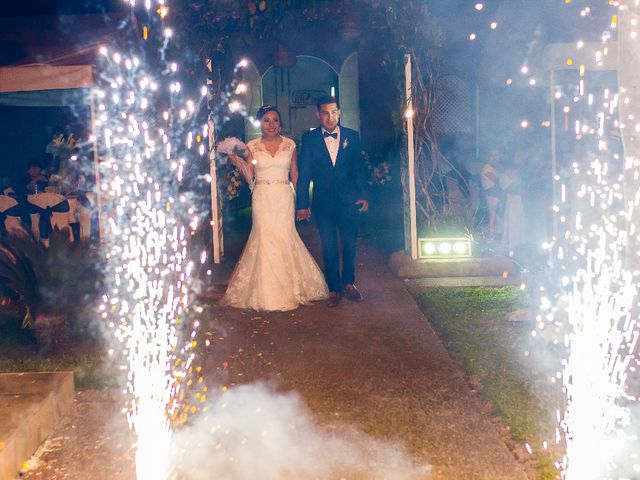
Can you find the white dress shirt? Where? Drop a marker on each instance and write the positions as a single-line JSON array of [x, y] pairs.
[[333, 144]]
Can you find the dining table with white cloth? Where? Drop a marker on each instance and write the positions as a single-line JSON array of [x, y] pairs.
[[48, 211]]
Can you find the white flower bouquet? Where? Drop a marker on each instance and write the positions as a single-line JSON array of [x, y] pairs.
[[228, 146]]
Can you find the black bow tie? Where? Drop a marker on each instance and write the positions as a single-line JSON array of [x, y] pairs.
[[333, 135]]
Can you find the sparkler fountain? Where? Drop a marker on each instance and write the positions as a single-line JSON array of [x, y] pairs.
[[597, 248], [142, 123], [146, 149], [595, 313]]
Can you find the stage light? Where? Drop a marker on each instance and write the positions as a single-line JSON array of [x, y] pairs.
[[444, 247], [429, 248], [460, 248]]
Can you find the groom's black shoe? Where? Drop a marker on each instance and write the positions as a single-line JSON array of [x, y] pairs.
[[352, 293], [334, 299]]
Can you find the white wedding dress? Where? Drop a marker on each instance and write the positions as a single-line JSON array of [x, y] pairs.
[[275, 270]]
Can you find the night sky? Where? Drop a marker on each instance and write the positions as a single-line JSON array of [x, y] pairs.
[[58, 7], [29, 39]]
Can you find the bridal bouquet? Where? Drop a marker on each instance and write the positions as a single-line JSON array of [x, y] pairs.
[[228, 146]]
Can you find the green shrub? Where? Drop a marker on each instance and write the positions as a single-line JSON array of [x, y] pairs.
[[49, 285]]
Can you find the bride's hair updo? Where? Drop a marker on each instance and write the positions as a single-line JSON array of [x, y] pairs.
[[263, 110]]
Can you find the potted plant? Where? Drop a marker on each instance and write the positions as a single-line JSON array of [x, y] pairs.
[[50, 285]]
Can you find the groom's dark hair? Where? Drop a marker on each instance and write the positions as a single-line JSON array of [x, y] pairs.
[[327, 100]]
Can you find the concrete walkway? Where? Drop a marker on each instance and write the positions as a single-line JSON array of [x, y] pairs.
[[376, 367]]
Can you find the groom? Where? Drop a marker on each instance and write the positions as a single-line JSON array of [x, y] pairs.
[[331, 157]]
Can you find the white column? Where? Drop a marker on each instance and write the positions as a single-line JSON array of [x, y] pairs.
[[477, 122], [554, 152], [216, 216], [96, 165], [349, 93], [411, 158]]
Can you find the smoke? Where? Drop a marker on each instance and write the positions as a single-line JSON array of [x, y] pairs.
[[625, 463], [252, 432]]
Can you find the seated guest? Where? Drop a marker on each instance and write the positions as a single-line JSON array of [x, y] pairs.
[[35, 181]]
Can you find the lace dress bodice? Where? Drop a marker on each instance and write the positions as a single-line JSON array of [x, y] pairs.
[[268, 167]]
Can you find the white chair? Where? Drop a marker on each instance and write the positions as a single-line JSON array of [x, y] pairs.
[[59, 220], [12, 224]]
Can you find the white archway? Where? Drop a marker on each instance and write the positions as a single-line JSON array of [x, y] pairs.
[[252, 98], [350, 93], [295, 90]]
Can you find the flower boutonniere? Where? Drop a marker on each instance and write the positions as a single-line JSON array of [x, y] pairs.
[[345, 144]]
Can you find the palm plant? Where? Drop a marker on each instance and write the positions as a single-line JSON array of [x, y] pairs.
[[51, 284]]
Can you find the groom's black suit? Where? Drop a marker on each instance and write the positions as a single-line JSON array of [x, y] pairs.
[[335, 191]]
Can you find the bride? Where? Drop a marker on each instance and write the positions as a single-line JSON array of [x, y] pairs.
[[275, 270]]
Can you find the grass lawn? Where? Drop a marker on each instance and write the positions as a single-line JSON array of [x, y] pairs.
[[87, 360], [502, 358]]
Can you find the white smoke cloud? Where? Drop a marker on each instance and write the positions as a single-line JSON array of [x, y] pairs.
[[251, 432], [626, 460]]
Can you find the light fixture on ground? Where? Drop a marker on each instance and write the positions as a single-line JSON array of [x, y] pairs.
[[444, 247]]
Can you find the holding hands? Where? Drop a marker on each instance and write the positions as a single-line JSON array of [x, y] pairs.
[[303, 214], [364, 205]]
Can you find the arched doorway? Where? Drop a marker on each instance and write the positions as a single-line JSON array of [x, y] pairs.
[[295, 91], [253, 99], [350, 93]]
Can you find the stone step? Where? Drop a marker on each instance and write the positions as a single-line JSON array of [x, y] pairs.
[[403, 266], [417, 284], [31, 405]]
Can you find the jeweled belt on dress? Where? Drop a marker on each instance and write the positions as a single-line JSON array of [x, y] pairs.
[[272, 182]]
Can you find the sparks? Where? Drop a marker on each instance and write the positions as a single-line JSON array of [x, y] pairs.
[[596, 309], [145, 247]]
